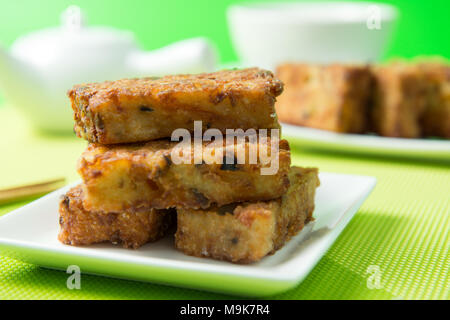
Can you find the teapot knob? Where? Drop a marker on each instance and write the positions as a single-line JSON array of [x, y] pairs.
[[72, 18]]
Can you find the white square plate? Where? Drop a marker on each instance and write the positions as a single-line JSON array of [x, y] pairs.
[[30, 234]]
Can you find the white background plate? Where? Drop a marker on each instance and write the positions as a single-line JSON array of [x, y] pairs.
[[30, 234], [429, 148]]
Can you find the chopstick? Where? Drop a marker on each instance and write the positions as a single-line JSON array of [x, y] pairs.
[[26, 191]]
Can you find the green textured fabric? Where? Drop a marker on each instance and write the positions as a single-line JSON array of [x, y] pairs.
[[403, 228]]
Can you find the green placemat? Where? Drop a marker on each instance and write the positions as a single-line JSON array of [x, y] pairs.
[[400, 236]]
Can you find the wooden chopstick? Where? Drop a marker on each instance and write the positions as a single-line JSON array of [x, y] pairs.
[[26, 191]]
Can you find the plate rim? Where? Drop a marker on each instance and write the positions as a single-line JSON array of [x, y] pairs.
[[362, 140]]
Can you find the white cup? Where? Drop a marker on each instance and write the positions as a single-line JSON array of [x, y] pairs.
[[268, 34]]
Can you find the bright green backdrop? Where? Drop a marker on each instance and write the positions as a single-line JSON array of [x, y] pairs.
[[424, 26], [403, 226]]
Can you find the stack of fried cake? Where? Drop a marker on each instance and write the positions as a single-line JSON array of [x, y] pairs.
[[133, 188]]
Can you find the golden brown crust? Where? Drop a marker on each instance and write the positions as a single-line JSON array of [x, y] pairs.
[[332, 97], [132, 110], [400, 100], [81, 227], [140, 176], [246, 232], [436, 118]]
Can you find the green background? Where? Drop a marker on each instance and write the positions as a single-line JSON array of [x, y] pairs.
[[423, 29], [402, 227]]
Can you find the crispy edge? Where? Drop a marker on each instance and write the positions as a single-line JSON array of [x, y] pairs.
[[81, 227]]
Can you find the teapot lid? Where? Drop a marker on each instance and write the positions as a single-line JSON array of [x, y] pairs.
[[74, 33]]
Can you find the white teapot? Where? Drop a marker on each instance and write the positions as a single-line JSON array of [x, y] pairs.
[[41, 66]]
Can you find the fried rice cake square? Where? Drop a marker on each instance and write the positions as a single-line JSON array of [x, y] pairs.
[[436, 117], [247, 232], [401, 95], [328, 97], [137, 177], [136, 110], [132, 230]]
